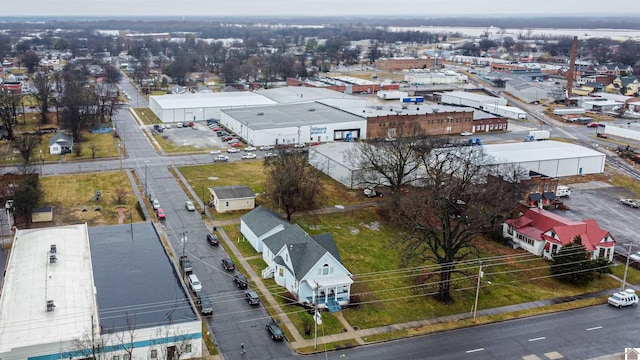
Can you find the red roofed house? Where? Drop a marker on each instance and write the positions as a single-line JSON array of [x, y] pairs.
[[543, 233]]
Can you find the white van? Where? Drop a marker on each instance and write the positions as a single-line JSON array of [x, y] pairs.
[[623, 298], [562, 191], [194, 283]]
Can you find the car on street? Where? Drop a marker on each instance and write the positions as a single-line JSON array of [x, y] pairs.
[[301, 145], [249, 149], [266, 148], [635, 257], [155, 204], [275, 331], [228, 264], [623, 298], [251, 297], [466, 133], [241, 281], [215, 152], [221, 158], [594, 125], [204, 303], [235, 144], [601, 135], [189, 205], [233, 150], [212, 239], [631, 202], [270, 155], [160, 214], [249, 156], [194, 283]]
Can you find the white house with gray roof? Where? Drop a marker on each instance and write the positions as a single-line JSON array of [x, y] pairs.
[[232, 198], [308, 266]]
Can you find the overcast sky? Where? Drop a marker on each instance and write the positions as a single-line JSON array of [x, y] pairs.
[[408, 8]]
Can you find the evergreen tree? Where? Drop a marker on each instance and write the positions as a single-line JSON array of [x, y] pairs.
[[573, 264]]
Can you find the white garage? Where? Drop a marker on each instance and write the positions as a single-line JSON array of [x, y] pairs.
[[551, 158], [198, 107], [293, 124]]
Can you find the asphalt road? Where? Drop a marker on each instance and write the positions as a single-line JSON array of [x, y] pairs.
[[578, 334]]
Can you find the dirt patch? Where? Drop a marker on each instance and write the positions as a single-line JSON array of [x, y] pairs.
[[121, 214], [373, 226]]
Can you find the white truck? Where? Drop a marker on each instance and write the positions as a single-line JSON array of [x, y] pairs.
[[537, 135], [562, 191], [221, 158]]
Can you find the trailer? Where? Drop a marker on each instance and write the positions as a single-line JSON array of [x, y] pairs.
[[569, 111], [537, 135], [510, 112], [392, 95], [474, 100]]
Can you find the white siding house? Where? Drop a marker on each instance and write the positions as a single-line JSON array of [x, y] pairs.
[[309, 267]]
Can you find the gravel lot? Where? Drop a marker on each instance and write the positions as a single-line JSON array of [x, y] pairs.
[[199, 136]]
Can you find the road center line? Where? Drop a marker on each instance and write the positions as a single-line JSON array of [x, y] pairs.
[[475, 350], [594, 328], [536, 339]]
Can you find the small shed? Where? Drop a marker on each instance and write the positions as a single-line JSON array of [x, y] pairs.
[[61, 144], [232, 198], [43, 214]]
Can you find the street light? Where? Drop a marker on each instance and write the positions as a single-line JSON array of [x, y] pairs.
[[120, 155], [41, 162]]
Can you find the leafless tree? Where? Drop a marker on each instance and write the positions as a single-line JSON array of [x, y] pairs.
[[9, 108], [459, 198], [121, 196], [292, 183], [43, 91], [25, 144], [126, 337]]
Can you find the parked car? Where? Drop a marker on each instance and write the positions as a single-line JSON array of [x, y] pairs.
[[466, 133], [227, 138], [233, 150], [623, 298], [228, 264], [191, 124], [160, 214], [221, 158], [601, 135], [241, 281], [270, 154], [155, 204], [249, 156], [179, 125], [249, 148], [185, 264], [635, 257], [204, 303], [194, 283], [631, 202], [212, 239], [275, 331], [215, 152], [593, 125], [189, 205], [251, 297], [266, 148], [215, 128], [235, 144]]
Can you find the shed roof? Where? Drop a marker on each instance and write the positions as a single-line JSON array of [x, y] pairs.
[[233, 192]]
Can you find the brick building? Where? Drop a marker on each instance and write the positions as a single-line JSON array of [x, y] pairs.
[[391, 64], [394, 124]]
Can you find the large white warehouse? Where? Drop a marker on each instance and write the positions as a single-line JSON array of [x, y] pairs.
[[293, 124], [198, 107], [474, 100], [551, 158]]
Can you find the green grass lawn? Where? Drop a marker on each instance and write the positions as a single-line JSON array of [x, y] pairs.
[[251, 173], [391, 293], [147, 116]]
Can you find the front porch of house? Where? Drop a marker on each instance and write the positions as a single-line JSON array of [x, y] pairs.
[[330, 292]]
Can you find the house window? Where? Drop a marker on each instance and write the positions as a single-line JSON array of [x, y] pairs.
[[187, 348], [154, 354], [510, 230], [280, 272], [325, 269], [546, 187], [116, 357], [126, 357]]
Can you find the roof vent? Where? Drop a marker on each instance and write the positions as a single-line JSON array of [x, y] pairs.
[[260, 113], [378, 107], [50, 306], [405, 106], [398, 111], [52, 258], [312, 109], [435, 110], [53, 249]]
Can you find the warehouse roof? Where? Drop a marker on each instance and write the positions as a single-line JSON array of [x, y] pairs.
[[537, 151], [413, 109], [209, 100], [471, 96], [31, 279], [282, 116], [301, 94], [135, 282]]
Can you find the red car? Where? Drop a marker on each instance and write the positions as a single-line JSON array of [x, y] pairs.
[[160, 214], [216, 129], [592, 125], [191, 124], [237, 144]]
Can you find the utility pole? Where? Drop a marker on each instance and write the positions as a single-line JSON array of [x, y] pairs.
[[146, 191], [183, 239], [626, 267], [475, 305], [315, 317]]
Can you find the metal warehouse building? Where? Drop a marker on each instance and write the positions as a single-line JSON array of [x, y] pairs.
[[198, 107], [293, 124], [551, 158]]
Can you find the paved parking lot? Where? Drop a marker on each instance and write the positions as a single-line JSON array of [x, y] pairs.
[[199, 136], [601, 201]]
